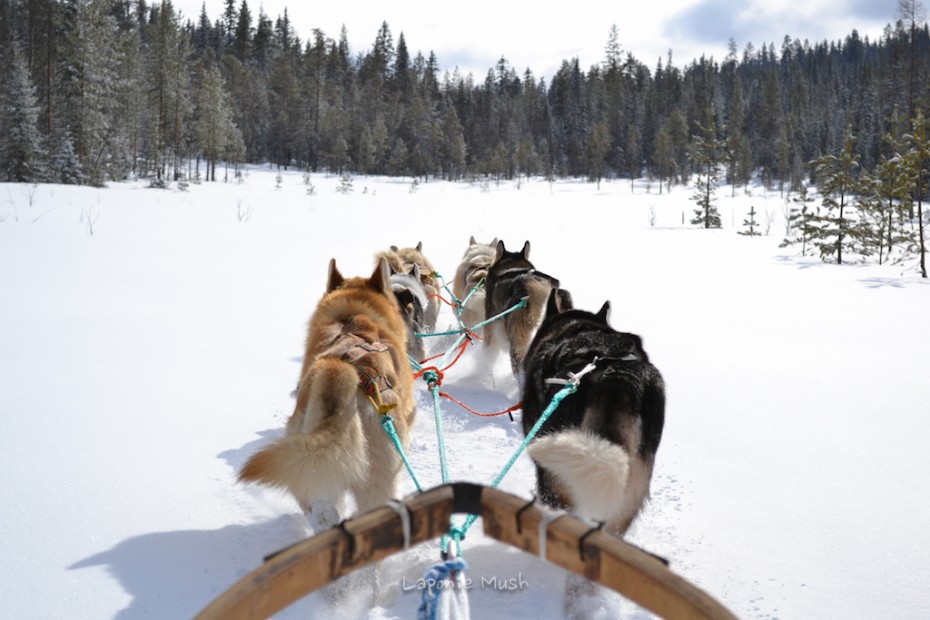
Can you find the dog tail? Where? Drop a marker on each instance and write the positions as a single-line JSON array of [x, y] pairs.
[[598, 474], [324, 461]]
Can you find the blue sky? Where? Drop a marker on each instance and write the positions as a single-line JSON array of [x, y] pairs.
[[474, 35]]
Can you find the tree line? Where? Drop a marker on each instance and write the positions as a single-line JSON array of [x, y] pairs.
[[100, 90]]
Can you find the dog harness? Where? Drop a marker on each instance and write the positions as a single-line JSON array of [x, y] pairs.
[[371, 384]]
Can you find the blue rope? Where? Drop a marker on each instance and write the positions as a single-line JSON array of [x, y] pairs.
[[520, 304], [440, 436], [432, 378], [387, 423], [434, 577], [570, 388]]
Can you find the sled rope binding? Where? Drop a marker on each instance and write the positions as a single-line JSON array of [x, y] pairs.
[[371, 537]]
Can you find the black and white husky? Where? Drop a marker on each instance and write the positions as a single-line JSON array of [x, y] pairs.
[[595, 454]]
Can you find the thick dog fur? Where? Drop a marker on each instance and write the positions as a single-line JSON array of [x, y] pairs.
[[411, 296], [334, 443], [510, 278], [471, 271], [595, 454], [402, 260]]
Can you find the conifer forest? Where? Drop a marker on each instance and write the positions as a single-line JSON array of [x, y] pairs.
[[93, 91]]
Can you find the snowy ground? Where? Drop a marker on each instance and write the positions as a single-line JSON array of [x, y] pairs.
[[140, 365]]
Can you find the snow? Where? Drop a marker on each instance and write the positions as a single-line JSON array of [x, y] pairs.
[[142, 364]]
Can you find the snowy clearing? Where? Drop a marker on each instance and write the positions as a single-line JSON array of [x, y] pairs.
[[150, 340]]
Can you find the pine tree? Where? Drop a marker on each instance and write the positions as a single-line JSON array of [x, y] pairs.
[[893, 188], [63, 165], [836, 180], [872, 228], [21, 152], [751, 224], [801, 221], [597, 143], [91, 83], [705, 153], [213, 119], [918, 158], [663, 159], [452, 150]]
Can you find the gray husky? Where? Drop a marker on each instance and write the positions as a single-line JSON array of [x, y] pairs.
[[595, 454], [402, 260], [512, 278], [470, 277], [411, 296]]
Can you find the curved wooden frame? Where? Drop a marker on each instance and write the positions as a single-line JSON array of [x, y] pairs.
[[569, 542]]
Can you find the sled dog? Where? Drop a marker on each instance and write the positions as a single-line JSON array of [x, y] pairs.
[[411, 296], [355, 364], [402, 260], [511, 278], [595, 454], [470, 276]]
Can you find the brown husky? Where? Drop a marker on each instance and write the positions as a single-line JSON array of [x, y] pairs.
[[355, 368]]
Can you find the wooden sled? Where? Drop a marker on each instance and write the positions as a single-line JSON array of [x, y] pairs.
[[570, 543]]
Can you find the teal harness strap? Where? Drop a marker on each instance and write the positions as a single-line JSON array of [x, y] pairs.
[[387, 422], [559, 396]]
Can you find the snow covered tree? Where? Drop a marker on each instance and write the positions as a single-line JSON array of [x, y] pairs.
[[216, 132], [63, 165], [91, 82], [705, 156], [21, 152]]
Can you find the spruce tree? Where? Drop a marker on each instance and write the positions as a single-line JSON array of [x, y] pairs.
[[893, 188], [21, 152], [918, 158], [705, 156], [836, 180], [597, 144], [801, 220], [750, 224]]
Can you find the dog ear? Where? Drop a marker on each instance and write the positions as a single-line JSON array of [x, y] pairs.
[[415, 271], [553, 307], [394, 248], [380, 279], [604, 313], [419, 246], [500, 250], [471, 240], [334, 279], [493, 242], [640, 351], [526, 251]]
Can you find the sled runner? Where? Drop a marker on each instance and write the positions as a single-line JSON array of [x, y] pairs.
[[559, 539]]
